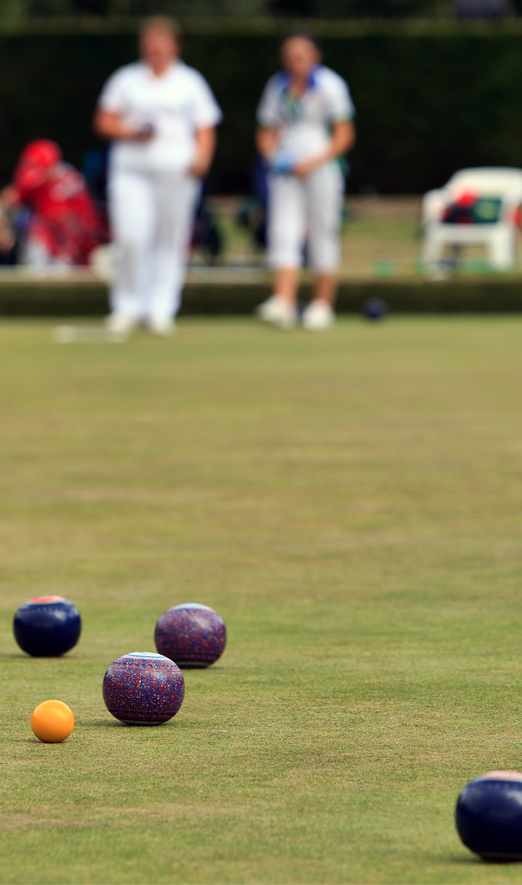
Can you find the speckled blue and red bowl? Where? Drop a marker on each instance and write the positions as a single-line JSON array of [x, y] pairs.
[[192, 635], [143, 688]]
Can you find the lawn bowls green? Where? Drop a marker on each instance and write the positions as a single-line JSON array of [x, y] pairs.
[[489, 816], [47, 626]]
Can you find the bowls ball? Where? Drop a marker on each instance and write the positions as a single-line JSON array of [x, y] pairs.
[[374, 309], [191, 634], [47, 626], [489, 816], [52, 722], [143, 688]]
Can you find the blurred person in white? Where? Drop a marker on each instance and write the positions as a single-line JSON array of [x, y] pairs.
[[161, 116], [306, 126]]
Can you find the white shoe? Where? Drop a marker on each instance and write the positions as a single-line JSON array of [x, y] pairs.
[[318, 316], [278, 312], [163, 327], [120, 324]]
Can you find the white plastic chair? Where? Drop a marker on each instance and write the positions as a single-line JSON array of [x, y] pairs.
[[499, 237]]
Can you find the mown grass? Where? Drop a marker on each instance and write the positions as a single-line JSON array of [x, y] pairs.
[[351, 504], [364, 242]]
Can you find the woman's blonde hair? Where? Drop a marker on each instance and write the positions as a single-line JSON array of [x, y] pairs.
[[161, 23]]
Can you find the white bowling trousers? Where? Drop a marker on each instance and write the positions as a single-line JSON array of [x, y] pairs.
[[306, 209], [152, 216]]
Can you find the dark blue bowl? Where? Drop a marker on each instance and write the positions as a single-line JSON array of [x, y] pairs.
[[489, 816], [192, 635], [143, 688], [374, 308], [47, 626]]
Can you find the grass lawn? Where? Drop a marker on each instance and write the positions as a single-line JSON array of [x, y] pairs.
[[381, 237], [366, 244], [351, 503]]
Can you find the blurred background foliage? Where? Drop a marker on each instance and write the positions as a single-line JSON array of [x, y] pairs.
[[433, 94], [325, 9], [427, 104]]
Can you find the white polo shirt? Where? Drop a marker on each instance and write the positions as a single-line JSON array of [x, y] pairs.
[[304, 123], [175, 104]]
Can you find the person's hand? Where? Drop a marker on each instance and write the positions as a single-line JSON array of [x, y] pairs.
[[144, 133], [7, 239], [281, 164], [9, 196], [304, 167], [111, 126], [199, 168]]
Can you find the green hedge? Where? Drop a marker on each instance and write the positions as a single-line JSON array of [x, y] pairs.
[[411, 296], [430, 98]]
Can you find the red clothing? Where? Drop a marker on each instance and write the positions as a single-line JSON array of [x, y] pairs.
[[65, 218]]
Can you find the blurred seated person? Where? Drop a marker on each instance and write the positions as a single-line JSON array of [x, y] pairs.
[[63, 227], [253, 210], [7, 239]]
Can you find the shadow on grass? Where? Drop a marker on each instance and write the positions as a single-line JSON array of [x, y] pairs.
[[475, 861], [16, 654], [20, 655], [106, 723], [35, 742], [462, 859]]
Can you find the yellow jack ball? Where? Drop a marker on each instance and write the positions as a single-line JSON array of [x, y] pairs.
[[52, 722]]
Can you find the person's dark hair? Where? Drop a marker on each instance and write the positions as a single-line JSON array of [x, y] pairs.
[[302, 34]]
